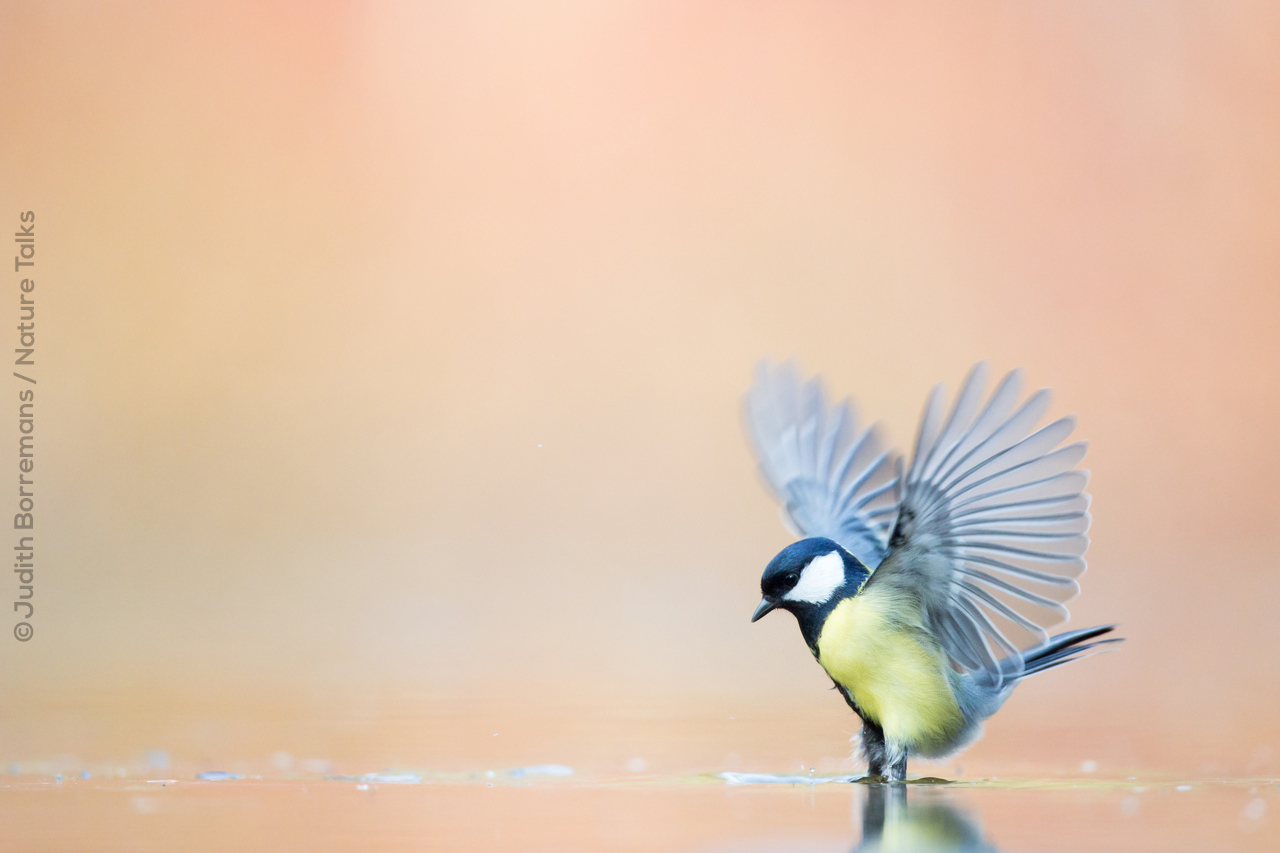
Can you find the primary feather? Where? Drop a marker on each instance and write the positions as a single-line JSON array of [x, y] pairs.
[[990, 532], [831, 477]]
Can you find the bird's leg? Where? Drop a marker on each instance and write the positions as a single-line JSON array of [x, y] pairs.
[[898, 770], [888, 764], [873, 747]]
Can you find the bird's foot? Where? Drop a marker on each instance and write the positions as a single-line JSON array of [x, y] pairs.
[[878, 779]]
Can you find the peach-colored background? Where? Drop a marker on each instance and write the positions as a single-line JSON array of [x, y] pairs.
[[389, 359]]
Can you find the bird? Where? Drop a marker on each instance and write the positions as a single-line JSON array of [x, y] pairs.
[[924, 589]]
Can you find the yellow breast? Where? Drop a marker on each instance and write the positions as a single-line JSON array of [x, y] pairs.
[[896, 678]]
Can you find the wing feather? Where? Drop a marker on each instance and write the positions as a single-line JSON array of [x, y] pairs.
[[831, 477], [990, 535]]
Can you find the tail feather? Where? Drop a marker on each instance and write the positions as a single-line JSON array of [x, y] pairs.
[[1065, 648]]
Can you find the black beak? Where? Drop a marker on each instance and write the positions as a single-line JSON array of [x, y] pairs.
[[765, 606]]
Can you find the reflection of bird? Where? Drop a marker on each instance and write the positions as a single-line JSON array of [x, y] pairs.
[[890, 824], [924, 594]]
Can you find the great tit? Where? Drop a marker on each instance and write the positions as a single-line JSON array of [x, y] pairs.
[[924, 593]]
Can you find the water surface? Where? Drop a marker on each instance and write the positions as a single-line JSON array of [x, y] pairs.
[[554, 808]]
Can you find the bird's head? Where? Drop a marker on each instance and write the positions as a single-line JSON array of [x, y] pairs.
[[807, 575]]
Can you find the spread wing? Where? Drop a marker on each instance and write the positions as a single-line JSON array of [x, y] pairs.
[[990, 535], [830, 476]]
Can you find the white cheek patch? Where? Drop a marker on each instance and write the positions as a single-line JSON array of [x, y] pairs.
[[819, 580]]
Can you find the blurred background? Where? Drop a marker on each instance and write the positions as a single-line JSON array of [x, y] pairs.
[[390, 359]]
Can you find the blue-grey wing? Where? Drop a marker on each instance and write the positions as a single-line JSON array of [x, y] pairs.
[[991, 530], [830, 475]]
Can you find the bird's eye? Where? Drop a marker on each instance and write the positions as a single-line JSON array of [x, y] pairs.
[[792, 578]]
